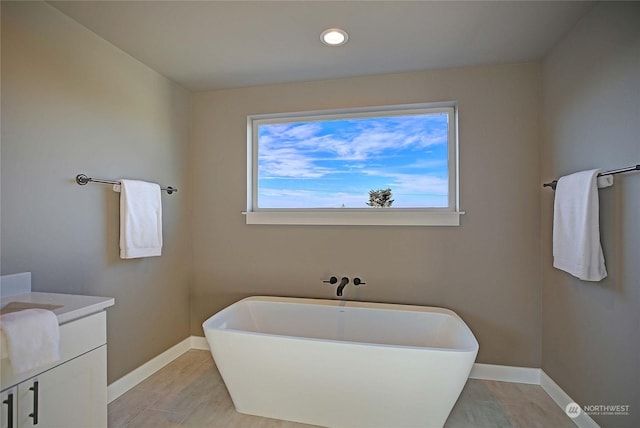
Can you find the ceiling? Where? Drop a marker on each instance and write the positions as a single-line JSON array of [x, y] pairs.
[[205, 45]]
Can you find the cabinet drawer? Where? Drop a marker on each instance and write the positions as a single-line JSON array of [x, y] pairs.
[[82, 335], [76, 338]]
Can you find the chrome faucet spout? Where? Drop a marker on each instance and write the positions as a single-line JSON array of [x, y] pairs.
[[343, 283]]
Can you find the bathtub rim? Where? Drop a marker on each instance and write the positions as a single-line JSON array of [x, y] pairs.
[[349, 304]]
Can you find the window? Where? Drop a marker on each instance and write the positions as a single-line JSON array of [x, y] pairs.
[[392, 165]]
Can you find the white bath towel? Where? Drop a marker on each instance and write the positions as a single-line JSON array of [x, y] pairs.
[[32, 337], [140, 219], [576, 228]]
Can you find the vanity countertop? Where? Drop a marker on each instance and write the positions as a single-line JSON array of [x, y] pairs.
[[68, 307]]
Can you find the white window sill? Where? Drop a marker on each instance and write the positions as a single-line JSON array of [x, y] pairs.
[[380, 217]]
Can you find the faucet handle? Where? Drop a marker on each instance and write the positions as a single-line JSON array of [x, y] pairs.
[[358, 281], [332, 280]]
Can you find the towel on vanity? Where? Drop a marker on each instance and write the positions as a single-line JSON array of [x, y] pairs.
[[32, 337], [576, 228], [140, 219]]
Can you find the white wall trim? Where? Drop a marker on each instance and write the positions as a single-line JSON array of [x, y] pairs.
[[481, 371], [505, 373], [561, 398], [532, 376], [199, 342], [128, 381]]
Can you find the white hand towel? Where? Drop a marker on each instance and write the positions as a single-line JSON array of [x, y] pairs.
[[140, 219], [576, 228], [32, 337]]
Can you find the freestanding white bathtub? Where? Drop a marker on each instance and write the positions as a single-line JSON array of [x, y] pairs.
[[341, 363]]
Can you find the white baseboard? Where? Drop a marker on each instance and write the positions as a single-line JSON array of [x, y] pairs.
[[505, 373], [532, 376], [128, 381], [199, 342], [481, 371], [561, 398]]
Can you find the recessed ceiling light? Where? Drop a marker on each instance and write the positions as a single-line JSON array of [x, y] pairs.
[[334, 37]]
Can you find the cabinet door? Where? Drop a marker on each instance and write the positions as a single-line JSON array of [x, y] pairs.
[[9, 410], [73, 394]]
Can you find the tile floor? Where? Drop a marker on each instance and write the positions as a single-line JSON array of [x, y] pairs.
[[189, 392]]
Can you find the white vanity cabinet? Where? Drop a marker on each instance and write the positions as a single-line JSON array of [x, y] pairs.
[[71, 392]]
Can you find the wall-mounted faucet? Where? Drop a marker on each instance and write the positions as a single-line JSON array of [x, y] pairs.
[[343, 283]]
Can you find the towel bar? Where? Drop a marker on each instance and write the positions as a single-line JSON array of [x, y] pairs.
[[82, 179], [611, 172]]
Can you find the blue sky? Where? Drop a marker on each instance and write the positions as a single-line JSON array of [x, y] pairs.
[[331, 164]]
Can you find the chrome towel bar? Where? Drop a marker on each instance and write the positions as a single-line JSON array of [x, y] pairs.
[[612, 172], [82, 179]]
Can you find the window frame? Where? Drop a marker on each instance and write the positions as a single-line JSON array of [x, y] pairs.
[[434, 216]]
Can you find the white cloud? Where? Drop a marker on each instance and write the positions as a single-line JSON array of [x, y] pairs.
[[289, 163], [427, 164], [413, 184], [296, 150], [367, 144], [295, 198]]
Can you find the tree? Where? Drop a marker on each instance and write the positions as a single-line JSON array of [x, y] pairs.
[[380, 198]]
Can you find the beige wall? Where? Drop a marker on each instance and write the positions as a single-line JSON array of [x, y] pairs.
[[487, 269], [591, 331], [72, 103]]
